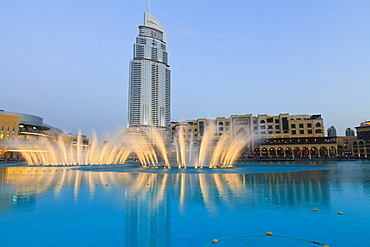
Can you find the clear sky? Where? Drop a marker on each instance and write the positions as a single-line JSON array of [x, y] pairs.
[[68, 61]]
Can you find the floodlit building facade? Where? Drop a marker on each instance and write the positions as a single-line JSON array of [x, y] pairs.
[[282, 135], [19, 127], [361, 145], [150, 77]]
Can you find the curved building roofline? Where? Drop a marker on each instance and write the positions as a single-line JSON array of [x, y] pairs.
[[153, 22]]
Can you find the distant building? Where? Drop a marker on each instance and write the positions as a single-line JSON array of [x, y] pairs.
[[350, 132], [332, 131]]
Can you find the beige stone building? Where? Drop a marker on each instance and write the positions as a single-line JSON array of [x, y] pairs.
[[361, 145], [282, 135]]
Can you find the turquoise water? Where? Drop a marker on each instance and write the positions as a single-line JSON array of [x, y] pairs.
[[64, 206]]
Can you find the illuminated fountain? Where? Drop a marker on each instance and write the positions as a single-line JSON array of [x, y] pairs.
[[149, 148]]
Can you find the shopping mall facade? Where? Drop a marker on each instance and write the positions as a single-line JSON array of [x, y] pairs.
[[16, 128]]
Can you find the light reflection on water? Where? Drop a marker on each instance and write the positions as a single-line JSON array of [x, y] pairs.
[[185, 207]]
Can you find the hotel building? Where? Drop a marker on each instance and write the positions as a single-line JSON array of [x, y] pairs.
[[150, 78]]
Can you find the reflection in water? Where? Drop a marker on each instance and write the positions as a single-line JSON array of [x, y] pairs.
[[150, 200], [210, 189]]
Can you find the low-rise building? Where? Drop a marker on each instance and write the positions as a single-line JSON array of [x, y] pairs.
[[287, 130], [361, 145], [23, 128]]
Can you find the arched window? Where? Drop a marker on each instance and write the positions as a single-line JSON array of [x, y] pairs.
[[221, 123], [262, 122], [318, 124]]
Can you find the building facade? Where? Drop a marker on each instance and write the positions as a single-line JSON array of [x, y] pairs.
[[282, 135], [17, 128], [361, 145], [150, 77]]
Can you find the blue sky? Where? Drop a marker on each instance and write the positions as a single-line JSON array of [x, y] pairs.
[[67, 61]]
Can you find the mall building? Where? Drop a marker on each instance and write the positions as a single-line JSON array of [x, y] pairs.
[[282, 135], [19, 127]]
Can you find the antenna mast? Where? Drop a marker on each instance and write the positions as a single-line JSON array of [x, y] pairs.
[[149, 8]]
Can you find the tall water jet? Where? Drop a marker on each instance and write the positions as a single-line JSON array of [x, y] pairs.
[[150, 148]]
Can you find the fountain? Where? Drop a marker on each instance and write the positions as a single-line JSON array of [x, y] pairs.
[[149, 148]]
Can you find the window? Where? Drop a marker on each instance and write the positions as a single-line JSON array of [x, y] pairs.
[[262, 122], [263, 132], [269, 127], [293, 126], [301, 132], [255, 127], [254, 122], [277, 127], [201, 128], [270, 120], [221, 123], [294, 132], [189, 130], [309, 131], [277, 121], [309, 125], [227, 123], [318, 125], [221, 129], [300, 125], [262, 127], [277, 132], [269, 132]]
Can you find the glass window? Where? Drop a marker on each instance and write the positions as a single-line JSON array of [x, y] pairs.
[[263, 127], [277, 121], [221, 129], [269, 127], [294, 132], [309, 125], [277, 127], [269, 132], [262, 122], [254, 122], [293, 126], [300, 125], [309, 131], [301, 132]]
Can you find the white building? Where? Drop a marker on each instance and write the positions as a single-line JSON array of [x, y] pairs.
[[150, 82]]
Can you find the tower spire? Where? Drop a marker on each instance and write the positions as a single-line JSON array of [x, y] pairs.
[[148, 3]]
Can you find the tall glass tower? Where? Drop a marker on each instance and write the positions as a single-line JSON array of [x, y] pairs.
[[150, 77]]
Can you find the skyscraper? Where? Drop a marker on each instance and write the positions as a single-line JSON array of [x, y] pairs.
[[350, 132], [332, 131], [150, 77]]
